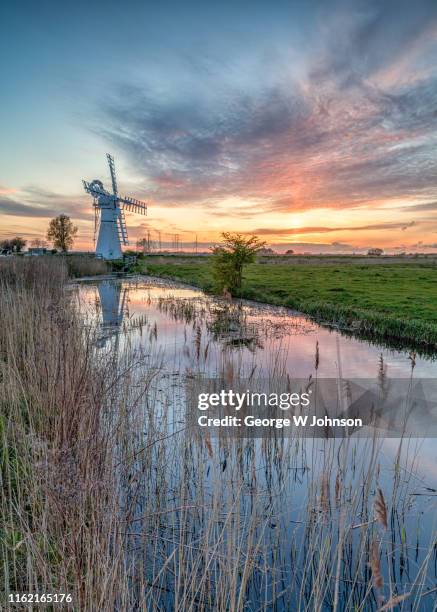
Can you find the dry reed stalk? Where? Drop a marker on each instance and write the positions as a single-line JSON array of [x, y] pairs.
[[208, 446], [227, 294], [412, 357], [375, 565], [380, 508], [338, 490], [229, 372], [317, 357], [394, 601], [122, 508], [60, 487], [325, 493]]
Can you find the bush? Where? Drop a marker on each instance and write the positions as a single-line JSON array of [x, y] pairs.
[[117, 265], [229, 259]]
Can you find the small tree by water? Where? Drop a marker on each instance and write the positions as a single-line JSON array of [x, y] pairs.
[[229, 259]]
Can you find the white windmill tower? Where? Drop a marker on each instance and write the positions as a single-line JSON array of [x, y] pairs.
[[110, 222]]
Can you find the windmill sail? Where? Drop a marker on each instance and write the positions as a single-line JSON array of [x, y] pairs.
[[112, 171], [122, 230], [96, 222]]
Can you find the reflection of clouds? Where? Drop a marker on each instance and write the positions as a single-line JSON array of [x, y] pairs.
[[359, 359], [175, 341], [426, 458]]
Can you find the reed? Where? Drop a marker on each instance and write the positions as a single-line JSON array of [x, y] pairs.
[[86, 265], [58, 513], [107, 496]]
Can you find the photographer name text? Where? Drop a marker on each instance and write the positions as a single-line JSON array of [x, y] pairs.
[[277, 423], [283, 401]]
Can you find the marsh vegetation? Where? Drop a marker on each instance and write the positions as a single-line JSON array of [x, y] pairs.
[[107, 496]]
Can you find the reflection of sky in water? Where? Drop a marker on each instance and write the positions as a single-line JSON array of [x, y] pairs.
[[290, 339], [296, 343], [130, 311]]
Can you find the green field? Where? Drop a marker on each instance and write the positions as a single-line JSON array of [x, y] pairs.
[[396, 301]]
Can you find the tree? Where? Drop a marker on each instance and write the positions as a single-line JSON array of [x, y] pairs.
[[62, 233], [266, 251], [39, 243], [6, 245], [16, 245], [230, 257], [144, 243]]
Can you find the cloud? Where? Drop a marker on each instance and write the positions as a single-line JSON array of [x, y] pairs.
[[336, 137], [36, 202], [318, 247], [373, 37], [12, 207], [420, 207], [423, 245], [341, 245], [6, 191], [271, 231], [290, 151]]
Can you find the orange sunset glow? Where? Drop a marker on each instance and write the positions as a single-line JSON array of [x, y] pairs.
[[323, 142]]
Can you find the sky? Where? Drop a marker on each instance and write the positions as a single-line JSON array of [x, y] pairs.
[[312, 124]]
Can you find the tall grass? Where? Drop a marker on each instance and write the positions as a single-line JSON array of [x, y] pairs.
[[413, 332], [108, 497], [58, 512], [85, 265]]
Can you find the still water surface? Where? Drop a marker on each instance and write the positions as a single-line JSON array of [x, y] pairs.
[[185, 330]]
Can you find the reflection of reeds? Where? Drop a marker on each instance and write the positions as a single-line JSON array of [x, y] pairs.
[[412, 357], [325, 552], [250, 502], [338, 489], [198, 341]]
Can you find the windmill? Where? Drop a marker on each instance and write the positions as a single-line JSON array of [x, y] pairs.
[[113, 305], [110, 223]]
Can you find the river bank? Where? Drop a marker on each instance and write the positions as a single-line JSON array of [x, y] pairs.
[[392, 302]]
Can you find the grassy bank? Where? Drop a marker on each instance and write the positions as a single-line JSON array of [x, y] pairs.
[[394, 301]]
